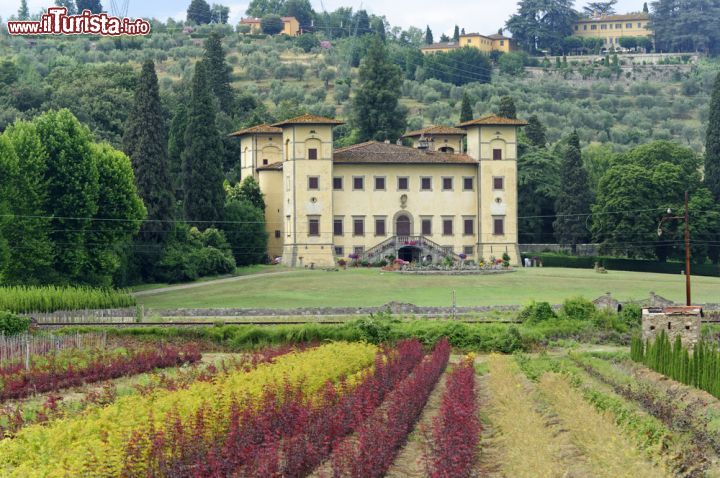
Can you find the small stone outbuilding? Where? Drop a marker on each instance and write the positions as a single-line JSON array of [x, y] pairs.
[[685, 322]]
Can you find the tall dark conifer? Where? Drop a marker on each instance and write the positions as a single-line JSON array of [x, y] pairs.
[[466, 112], [429, 36], [202, 158], [574, 199], [456, 34], [712, 159], [145, 142], [218, 72], [507, 108], [535, 132], [176, 146]]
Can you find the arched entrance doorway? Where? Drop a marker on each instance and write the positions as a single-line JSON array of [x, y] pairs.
[[409, 253], [402, 225]]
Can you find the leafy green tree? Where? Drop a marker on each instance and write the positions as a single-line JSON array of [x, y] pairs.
[[600, 8], [443, 66], [507, 109], [302, 10], [538, 189], [93, 5], [72, 185], [9, 170], [245, 231], [69, 4], [260, 8], [9, 72], [574, 199], [23, 11], [377, 113], [542, 24], [307, 41], [219, 14], [686, 25], [712, 143], [535, 132], [199, 12], [428, 36], [466, 112], [249, 191], [176, 146], [512, 64], [122, 212], [271, 24], [645, 8], [202, 157], [218, 72], [32, 251], [361, 22]]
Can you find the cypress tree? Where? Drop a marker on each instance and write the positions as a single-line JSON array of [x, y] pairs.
[[429, 40], [466, 113], [23, 11], [456, 34], [145, 142], [712, 158], [507, 108], [535, 132], [573, 203], [176, 146], [199, 12], [218, 72], [93, 5], [202, 157], [377, 113]]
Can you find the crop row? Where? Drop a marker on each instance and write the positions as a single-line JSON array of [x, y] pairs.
[[288, 433], [96, 443], [48, 375], [455, 433], [376, 442], [29, 299]]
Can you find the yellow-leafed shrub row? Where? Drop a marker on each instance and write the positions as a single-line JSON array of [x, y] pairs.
[[95, 444]]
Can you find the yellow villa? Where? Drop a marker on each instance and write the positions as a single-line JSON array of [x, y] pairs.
[[374, 199], [484, 43], [613, 27], [291, 26]]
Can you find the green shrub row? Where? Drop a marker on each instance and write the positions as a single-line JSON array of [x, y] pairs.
[[11, 324], [27, 299], [700, 369], [619, 264]]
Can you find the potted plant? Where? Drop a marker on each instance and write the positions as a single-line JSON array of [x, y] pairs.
[[342, 263], [506, 260]]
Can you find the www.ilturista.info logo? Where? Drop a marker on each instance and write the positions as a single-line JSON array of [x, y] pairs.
[[57, 22]]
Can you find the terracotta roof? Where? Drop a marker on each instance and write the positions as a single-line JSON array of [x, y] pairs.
[[309, 119], [272, 167], [250, 20], [259, 129], [440, 46], [497, 36], [376, 152], [446, 130], [493, 120], [473, 35], [617, 18]]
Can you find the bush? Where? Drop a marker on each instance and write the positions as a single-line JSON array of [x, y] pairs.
[[245, 231], [191, 254], [621, 264], [631, 314], [578, 308], [537, 312], [28, 299], [11, 324]]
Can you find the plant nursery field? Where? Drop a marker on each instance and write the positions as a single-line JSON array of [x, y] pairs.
[[354, 409]]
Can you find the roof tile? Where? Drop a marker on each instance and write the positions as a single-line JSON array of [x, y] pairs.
[[309, 119], [259, 129], [445, 130], [376, 152], [494, 120]]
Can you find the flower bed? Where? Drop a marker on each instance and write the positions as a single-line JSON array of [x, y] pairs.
[[70, 368], [376, 442], [97, 443], [456, 430]]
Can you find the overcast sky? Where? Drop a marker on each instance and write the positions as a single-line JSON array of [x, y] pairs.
[[484, 16]]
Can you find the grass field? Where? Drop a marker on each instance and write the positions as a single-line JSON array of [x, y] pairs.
[[370, 287]]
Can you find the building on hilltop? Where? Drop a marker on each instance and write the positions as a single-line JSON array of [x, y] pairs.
[[291, 26], [376, 199], [613, 27], [484, 43]]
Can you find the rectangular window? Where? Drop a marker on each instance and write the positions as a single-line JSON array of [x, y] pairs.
[[426, 184], [497, 154], [339, 251], [379, 183], [337, 183], [447, 227], [593, 27], [618, 26], [468, 183], [313, 182], [313, 226], [603, 27], [498, 183], [380, 226], [502, 42], [628, 25], [358, 183], [312, 153], [499, 226], [358, 226], [639, 25], [427, 227], [277, 234], [468, 250], [359, 250], [447, 184], [584, 27], [403, 184], [337, 227], [469, 227]]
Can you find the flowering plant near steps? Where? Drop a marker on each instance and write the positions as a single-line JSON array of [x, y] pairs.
[[376, 442], [452, 445]]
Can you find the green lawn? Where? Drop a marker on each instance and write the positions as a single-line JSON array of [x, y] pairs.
[[370, 287], [240, 271]]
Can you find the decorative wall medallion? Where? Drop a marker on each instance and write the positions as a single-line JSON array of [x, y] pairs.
[[403, 201]]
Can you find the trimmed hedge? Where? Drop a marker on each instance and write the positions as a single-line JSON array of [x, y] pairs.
[[11, 324], [619, 264]]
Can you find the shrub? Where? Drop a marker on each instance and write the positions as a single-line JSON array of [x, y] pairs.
[[11, 324], [191, 254], [29, 299], [537, 312], [631, 314], [578, 308]]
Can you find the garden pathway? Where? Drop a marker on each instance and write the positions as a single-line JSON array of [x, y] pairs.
[[193, 285]]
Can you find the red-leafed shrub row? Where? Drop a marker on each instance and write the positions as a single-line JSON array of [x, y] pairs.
[[456, 429], [376, 442], [288, 434], [17, 382]]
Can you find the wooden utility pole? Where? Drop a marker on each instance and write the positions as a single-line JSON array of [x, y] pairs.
[[686, 218]]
